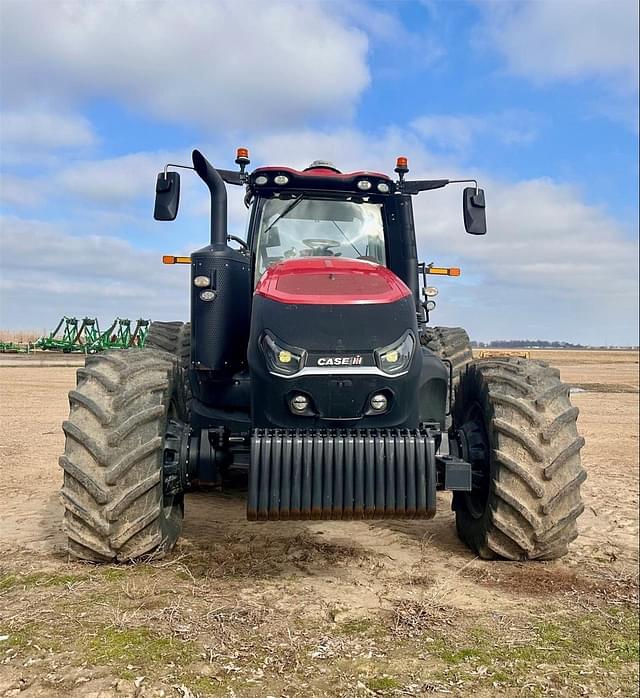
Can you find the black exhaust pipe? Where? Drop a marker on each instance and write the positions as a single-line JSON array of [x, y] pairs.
[[221, 310], [218, 190]]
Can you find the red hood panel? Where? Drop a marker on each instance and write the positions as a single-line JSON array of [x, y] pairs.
[[331, 281]]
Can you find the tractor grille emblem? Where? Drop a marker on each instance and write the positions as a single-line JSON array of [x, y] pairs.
[[340, 360]]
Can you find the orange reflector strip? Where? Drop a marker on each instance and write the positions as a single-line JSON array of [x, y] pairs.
[[170, 259], [443, 271]]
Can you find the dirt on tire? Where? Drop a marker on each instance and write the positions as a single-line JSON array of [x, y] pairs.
[[114, 506], [533, 467], [451, 344]]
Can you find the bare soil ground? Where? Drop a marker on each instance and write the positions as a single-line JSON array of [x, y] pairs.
[[319, 608]]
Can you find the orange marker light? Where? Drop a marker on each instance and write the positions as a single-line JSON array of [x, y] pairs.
[[443, 271], [242, 153], [170, 259], [402, 163]]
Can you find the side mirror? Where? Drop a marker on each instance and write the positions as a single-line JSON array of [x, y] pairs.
[[167, 196], [473, 208]]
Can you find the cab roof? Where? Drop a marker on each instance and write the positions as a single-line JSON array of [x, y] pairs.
[[321, 177]]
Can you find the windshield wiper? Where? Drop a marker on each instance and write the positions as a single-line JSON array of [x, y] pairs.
[[289, 208], [344, 235]]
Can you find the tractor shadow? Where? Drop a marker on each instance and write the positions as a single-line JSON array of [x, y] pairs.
[[218, 540]]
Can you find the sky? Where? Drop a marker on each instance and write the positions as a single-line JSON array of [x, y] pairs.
[[536, 99]]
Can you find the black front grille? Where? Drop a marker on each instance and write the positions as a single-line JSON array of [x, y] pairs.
[[343, 474]]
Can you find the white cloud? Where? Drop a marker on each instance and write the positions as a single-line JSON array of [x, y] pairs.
[[458, 131], [118, 180], [18, 191], [552, 266], [252, 64], [42, 137], [551, 40], [44, 130], [59, 274]]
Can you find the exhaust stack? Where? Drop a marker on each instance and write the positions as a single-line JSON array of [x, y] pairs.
[[218, 190]]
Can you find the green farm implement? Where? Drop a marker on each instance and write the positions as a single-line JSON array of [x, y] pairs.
[[85, 336]]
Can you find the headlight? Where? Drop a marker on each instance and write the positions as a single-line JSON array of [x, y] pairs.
[[396, 358], [201, 281], [283, 361]]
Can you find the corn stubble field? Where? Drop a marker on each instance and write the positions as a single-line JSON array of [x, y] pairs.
[[319, 608]]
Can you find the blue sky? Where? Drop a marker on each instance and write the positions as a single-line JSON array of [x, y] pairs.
[[537, 99]]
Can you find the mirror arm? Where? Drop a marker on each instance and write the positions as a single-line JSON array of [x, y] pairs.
[[234, 177], [182, 167], [465, 181], [418, 185]]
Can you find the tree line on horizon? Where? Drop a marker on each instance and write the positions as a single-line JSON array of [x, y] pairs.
[[539, 344]]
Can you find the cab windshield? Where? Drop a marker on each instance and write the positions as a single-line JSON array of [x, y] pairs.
[[308, 227]]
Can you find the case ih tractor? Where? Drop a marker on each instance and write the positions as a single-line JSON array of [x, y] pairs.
[[309, 362]]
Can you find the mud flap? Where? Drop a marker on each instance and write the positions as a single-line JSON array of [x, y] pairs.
[[363, 474]]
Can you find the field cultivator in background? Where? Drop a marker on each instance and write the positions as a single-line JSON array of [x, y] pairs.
[[504, 353], [85, 337]]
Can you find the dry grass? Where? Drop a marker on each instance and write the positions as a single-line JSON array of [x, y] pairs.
[[20, 336]]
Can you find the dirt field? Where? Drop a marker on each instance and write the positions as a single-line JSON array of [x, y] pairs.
[[322, 608]]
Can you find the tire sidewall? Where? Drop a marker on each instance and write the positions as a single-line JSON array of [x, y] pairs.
[[473, 391]]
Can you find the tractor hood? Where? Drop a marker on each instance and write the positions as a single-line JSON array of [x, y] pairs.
[[339, 332], [331, 280]]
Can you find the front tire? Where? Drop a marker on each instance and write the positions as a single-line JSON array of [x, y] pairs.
[[113, 490], [517, 427], [175, 338], [451, 344]]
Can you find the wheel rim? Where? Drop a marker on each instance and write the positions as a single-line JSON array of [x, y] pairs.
[[171, 502], [475, 450]]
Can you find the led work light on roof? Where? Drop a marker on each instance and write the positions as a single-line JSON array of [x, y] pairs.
[[364, 184], [383, 187], [281, 179], [261, 179]]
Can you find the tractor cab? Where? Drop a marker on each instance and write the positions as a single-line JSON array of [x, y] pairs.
[[321, 212]]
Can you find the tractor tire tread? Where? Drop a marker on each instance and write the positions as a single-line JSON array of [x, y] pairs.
[[112, 493], [175, 338], [451, 344], [534, 499]]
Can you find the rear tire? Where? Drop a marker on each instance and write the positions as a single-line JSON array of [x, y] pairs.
[[175, 338], [522, 440], [452, 344], [115, 507]]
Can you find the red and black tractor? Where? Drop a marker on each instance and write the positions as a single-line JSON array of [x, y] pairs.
[[310, 363]]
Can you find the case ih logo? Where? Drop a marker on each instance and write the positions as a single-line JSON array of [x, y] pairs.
[[340, 360]]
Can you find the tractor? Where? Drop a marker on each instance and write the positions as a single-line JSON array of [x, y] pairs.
[[309, 363]]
